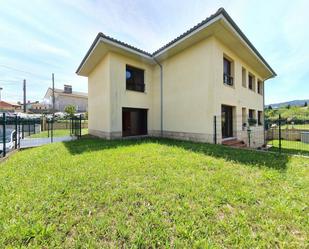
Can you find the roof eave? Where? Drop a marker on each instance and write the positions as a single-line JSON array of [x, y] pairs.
[[220, 14]]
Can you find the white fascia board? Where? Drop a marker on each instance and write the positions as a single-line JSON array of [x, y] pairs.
[[246, 44], [187, 36]]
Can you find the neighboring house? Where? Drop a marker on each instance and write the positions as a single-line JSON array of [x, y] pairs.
[[38, 107], [6, 106], [67, 97], [210, 70], [29, 105]]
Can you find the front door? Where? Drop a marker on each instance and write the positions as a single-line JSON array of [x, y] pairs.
[[134, 122], [227, 121]]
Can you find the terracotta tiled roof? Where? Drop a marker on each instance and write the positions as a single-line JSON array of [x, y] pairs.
[[188, 32]]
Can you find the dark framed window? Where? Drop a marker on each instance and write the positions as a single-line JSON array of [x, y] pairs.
[[134, 121], [260, 87], [260, 117], [251, 113], [135, 79], [250, 82], [227, 72]]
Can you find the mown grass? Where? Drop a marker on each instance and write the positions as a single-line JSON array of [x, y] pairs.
[[92, 193], [56, 133], [291, 147]]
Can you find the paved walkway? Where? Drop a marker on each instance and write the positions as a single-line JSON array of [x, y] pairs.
[[34, 142]]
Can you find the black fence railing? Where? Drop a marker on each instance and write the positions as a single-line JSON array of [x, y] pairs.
[[276, 134], [17, 132], [227, 79], [286, 135]]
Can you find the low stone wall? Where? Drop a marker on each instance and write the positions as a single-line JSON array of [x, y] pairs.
[[105, 135], [286, 134], [185, 136], [63, 125]]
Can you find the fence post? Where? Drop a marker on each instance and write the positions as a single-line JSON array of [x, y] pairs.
[[52, 131], [4, 135], [280, 133], [22, 129], [29, 127], [16, 131], [80, 125], [34, 126], [47, 127], [72, 123], [215, 129], [249, 136]]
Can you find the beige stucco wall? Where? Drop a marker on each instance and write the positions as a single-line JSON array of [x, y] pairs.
[[188, 84], [193, 93], [120, 97], [99, 101], [236, 95]]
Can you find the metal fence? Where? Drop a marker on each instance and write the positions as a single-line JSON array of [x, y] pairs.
[[278, 134], [288, 135], [17, 132]]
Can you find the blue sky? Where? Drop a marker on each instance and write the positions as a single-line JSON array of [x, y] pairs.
[[38, 38]]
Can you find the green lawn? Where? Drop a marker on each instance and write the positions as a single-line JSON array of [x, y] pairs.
[[150, 193], [292, 147], [56, 133]]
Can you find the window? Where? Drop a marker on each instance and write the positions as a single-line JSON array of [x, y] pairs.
[[251, 82], [244, 116], [135, 79], [252, 118], [260, 117], [227, 72], [260, 87], [251, 113], [244, 77]]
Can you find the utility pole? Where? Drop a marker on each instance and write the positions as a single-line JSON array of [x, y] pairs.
[[24, 88], [52, 123], [53, 79], [0, 92]]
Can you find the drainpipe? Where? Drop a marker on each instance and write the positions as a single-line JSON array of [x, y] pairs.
[[264, 135], [161, 95]]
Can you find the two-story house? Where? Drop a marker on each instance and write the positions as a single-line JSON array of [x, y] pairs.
[[212, 70], [65, 97]]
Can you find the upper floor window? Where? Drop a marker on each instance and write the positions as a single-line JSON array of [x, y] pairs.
[[244, 77], [260, 87], [135, 79], [251, 82], [227, 72]]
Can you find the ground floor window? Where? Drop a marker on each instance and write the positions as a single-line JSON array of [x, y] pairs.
[[260, 118], [227, 121], [134, 122]]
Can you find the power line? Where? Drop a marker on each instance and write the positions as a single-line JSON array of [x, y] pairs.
[[15, 69], [31, 73], [13, 81]]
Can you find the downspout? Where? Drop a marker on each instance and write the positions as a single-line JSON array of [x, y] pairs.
[[264, 135], [161, 96]]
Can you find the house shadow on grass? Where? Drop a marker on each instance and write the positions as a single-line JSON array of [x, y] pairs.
[[291, 151], [244, 156]]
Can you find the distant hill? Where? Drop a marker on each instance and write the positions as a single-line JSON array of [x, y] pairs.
[[291, 103]]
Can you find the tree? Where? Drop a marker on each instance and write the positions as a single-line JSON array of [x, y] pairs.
[[305, 104], [288, 106], [70, 110], [269, 107]]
